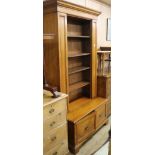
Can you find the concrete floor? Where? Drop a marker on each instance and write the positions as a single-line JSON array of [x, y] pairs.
[[94, 146]]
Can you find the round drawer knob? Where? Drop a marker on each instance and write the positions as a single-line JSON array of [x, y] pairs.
[[53, 139], [86, 128], [55, 153], [52, 124], [51, 111]]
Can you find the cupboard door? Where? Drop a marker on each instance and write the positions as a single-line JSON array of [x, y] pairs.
[[63, 57], [94, 60], [85, 127]]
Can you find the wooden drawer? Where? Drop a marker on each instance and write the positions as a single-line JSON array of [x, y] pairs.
[[60, 149], [85, 127], [54, 121], [51, 139], [100, 115], [52, 109]]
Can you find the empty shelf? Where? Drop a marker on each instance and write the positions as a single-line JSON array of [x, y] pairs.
[[77, 69], [72, 54], [78, 85]]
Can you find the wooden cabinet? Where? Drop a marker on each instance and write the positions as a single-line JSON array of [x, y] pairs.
[[71, 65], [85, 118], [55, 125]]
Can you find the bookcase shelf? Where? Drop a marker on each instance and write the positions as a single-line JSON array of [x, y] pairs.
[[77, 69], [78, 85], [77, 36], [76, 54]]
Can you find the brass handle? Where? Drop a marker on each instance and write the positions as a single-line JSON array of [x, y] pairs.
[[51, 111], [86, 128], [55, 153], [52, 123], [53, 139]]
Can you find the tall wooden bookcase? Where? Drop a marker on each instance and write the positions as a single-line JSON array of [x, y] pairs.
[[71, 65]]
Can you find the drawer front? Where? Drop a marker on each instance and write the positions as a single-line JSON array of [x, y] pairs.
[[60, 149], [100, 115], [85, 127], [52, 109], [51, 139], [54, 121]]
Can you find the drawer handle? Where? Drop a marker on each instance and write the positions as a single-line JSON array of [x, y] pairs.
[[52, 124], [51, 111], [100, 115], [55, 153], [53, 139], [86, 128]]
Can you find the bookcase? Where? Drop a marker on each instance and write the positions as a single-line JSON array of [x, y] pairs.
[[79, 57], [71, 65]]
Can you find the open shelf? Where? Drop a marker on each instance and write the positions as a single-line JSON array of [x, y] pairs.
[[77, 69], [74, 54], [77, 36], [78, 85]]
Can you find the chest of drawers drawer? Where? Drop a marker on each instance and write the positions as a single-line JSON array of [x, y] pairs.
[[60, 149], [55, 137], [85, 127], [100, 115], [55, 108], [53, 122]]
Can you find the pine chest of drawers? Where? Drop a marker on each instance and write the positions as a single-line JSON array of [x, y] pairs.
[[55, 139]]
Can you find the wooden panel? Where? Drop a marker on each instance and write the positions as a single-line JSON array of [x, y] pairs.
[[104, 86], [54, 121], [94, 59], [78, 45], [54, 108], [55, 137], [108, 108], [60, 149], [51, 50], [100, 115], [85, 127], [62, 23]]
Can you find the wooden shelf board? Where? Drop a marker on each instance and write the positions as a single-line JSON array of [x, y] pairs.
[[77, 69], [77, 36], [75, 54], [83, 106], [78, 85]]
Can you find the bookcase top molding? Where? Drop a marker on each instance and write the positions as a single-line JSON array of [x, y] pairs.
[[63, 6]]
